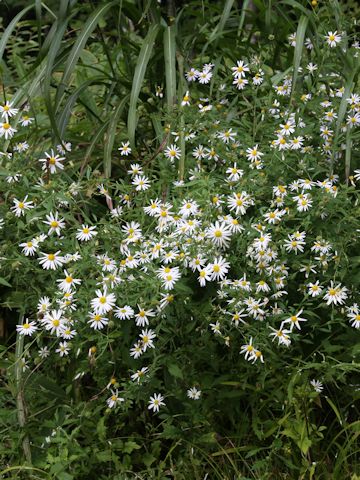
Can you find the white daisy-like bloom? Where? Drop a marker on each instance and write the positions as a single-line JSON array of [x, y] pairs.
[[354, 316], [205, 275], [294, 320], [287, 128], [188, 207], [135, 169], [204, 77], [169, 276], [6, 130], [27, 328], [104, 302], [258, 78], [52, 162], [220, 234], [317, 385], [20, 206], [7, 111], [51, 261], [247, 349], [125, 150], [114, 400], [64, 147], [253, 153], [234, 173], [240, 83], [68, 283], [97, 321], [239, 202], [139, 374], [54, 322], [333, 38], [141, 318], [192, 75], [239, 71], [21, 147], [194, 393], [282, 335], [146, 339], [29, 248], [314, 289], [155, 402], [63, 349], [43, 304], [154, 207], [136, 351], [172, 152], [44, 352], [55, 223], [186, 99], [294, 245], [219, 268], [124, 313], [86, 233], [256, 355], [335, 294], [227, 136], [25, 120], [141, 183]]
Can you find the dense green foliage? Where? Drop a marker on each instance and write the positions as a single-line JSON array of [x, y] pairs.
[[220, 213]]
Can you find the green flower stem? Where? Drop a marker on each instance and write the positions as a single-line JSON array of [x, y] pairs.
[[20, 399]]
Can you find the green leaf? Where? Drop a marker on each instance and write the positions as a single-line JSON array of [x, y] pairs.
[[110, 135], [175, 371], [4, 282], [79, 44], [9, 30], [300, 37], [170, 64], [130, 446], [141, 64]]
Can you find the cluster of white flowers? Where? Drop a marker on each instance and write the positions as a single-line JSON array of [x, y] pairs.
[[207, 236]]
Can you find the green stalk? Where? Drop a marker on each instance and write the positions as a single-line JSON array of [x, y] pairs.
[[180, 60], [20, 399]]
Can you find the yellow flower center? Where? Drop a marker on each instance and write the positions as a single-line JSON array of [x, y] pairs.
[[6, 126], [52, 160], [218, 233], [102, 300], [51, 257], [54, 224]]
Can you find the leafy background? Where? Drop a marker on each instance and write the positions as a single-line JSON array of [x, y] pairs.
[[89, 71]]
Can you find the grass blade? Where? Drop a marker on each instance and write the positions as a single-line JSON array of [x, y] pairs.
[[79, 44], [217, 32], [110, 135], [141, 64], [300, 37], [6, 35], [63, 118], [170, 64]]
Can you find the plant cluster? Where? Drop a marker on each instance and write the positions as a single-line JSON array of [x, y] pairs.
[[196, 300]]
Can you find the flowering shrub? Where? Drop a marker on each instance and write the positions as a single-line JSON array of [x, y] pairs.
[[213, 278]]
